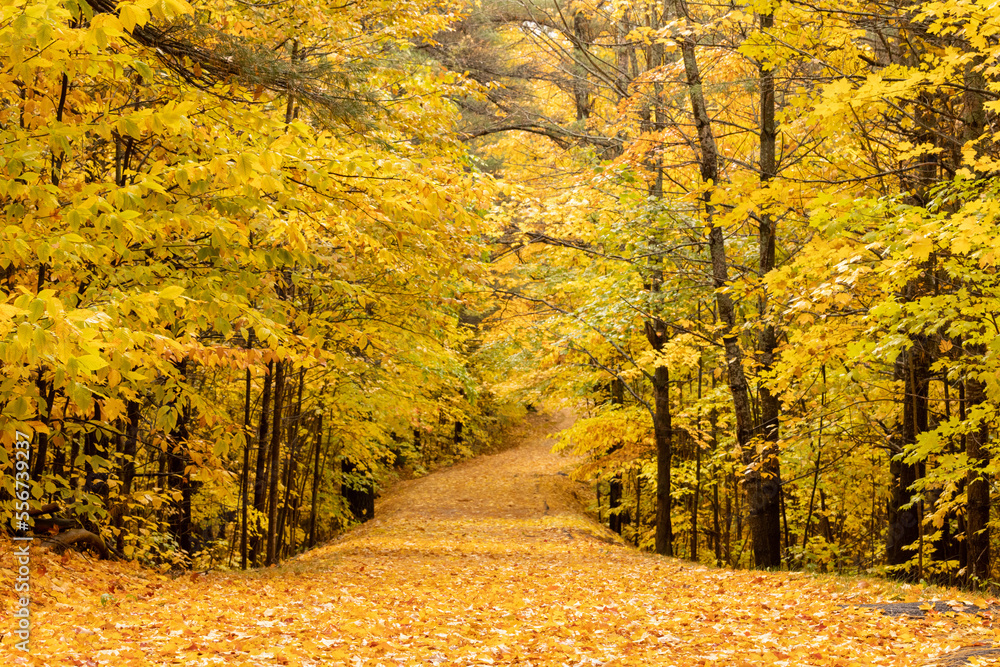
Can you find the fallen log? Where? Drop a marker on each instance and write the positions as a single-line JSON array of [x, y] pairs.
[[45, 509], [76, 537]]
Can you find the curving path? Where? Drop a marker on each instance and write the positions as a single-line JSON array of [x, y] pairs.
[[491, 562]]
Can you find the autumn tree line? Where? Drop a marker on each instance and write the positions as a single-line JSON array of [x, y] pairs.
[[236, 280], [758, 241], [258, 258]]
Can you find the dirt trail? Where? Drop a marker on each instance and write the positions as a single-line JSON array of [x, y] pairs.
[[489, 562], [521, 483]]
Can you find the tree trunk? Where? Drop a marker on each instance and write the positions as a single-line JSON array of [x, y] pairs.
[[245, 477], [46, 396], [617, 519], [663, 435], [695, 500], [764, 482], [130, 445], [762, 497], [260, 478], [913, 368], [315, 485], [977, 491], [272, 494], [291, 463], [638, 506], [581, 86], [177, 460], [614, 503]]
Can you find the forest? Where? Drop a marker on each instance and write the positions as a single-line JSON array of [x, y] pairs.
[[261, 260]]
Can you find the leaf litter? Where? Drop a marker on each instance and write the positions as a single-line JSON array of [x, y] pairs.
[[490, 562]]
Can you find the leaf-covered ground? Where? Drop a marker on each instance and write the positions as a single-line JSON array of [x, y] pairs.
[[489, 562]]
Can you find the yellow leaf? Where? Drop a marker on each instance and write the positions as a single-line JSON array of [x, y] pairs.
[[171, 293], [920, 246]]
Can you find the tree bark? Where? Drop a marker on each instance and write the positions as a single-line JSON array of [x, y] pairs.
[[977, 491], [913, 368], [762, 494], [74, 536], [260, 478], [291, 463], [272, 494], [315, 485], [663, 435], [617, 518], [46, 396], [245, 477], [180, 520], [764, 482]]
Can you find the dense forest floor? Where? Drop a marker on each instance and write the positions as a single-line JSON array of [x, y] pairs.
[[492, 561]]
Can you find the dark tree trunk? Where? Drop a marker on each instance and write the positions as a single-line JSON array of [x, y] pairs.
[[663, 436], [59, 461], [180, 519], [764, 482], [260, 478], [977, 491], [762, 493], [74, 454], [245, 477], [977, 542], [581, 86], [913, 368], [638, 507], [316, 483], [95, 445], [272, 493], [46, 395], [614, 503], [617, 517], [130, 446], [695, 501], [291, 463]]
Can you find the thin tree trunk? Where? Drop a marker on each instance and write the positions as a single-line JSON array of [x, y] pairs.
[[316, 482], [977, 542], [260, 478], [696, 499], [180, 521], [245, 477], [128, 449], [291, 462], [977, 491], [761, 496], [46, 396], [616, 518], [913, 367], [638, 506], [272, 495], [663, 435], [764, 483], [130, 446]]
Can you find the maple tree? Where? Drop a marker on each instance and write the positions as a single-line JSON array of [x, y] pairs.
[[234, 261], [796, 165]]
